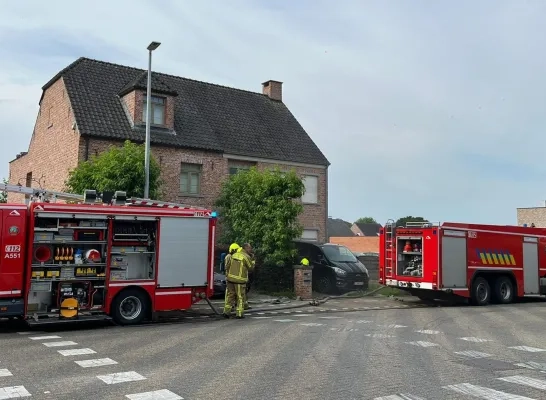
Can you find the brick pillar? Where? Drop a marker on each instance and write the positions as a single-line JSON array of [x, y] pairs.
[[303, 281]]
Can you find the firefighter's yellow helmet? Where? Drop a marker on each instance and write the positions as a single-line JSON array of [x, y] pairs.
[[305, 262], [234, 247]]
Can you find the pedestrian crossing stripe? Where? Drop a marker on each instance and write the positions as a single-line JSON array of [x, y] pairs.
[[496, 257]]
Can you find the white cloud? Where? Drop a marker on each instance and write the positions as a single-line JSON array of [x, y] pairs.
[[432, 109]]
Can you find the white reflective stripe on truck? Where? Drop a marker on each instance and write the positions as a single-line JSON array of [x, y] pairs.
[[4, 292]]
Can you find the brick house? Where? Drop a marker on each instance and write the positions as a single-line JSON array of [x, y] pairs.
[[200, 134]]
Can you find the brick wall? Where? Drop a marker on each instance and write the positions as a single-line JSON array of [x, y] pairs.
[[530, 215], [358, 244], [53, 148]]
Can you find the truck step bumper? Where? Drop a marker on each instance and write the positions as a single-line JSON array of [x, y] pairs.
[[12, 308], [52, 320]]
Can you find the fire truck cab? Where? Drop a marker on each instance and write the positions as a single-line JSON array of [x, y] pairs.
[[480, 263], [124, 259]]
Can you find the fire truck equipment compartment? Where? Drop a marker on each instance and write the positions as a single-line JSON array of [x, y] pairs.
[[183, 252], [454, 255], [43, 254]]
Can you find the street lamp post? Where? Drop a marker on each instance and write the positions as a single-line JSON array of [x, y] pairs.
[[151, 47]]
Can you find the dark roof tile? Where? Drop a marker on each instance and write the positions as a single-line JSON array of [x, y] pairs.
[[207, 116]]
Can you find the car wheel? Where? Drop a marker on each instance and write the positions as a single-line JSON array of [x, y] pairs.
[[324, 284]]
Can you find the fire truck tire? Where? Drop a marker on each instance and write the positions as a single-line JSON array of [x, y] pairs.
[[481, 292], [503, 290], [130, 307]]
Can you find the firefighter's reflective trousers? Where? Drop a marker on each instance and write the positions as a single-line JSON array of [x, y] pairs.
[[235, 294]]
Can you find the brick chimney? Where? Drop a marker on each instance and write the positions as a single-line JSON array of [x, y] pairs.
[[273, 90]]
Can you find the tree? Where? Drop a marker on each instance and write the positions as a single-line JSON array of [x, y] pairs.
[[118, 168], [261, 208], [3, 194], [409, 218], [366, 220]]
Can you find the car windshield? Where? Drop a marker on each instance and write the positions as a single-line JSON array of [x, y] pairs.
[[338, 254]]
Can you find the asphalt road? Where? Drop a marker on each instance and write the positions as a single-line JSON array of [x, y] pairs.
[[492, 353]]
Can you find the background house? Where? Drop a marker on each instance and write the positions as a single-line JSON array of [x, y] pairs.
[[201, 133], [359, 238], [532, 215]]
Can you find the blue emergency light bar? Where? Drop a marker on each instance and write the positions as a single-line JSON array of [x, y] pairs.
[[214, 214]]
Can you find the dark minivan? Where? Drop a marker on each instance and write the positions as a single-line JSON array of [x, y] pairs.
[[335, 268]]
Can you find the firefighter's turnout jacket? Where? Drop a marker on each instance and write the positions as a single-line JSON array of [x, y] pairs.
[[240, 264]]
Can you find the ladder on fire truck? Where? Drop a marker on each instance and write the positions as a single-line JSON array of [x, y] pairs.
[[90, 197], [390, 251]]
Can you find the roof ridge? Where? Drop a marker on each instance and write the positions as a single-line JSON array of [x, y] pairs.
[[158, 73]]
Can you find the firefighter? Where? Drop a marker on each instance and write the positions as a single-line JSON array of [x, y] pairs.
[[233, 248], [237, 278], [247, 287]]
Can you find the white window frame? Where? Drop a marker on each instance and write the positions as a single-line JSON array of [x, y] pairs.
[[157, 103], [309, 197], [189, 170], [314, 234]]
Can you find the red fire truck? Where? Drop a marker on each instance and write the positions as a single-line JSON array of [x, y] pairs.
[[481, 263], [92, 258]]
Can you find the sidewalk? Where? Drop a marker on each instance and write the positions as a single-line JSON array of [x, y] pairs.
[[262, 305]]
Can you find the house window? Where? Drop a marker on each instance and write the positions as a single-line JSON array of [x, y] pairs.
[[310, 234], [158, 110], [311, 189], [190, 179], [235, 170]]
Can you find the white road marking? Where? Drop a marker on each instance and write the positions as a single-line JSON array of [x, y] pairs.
[[98, 362], [475, 339], [311, 324], [261, 317], [526, 381], [420, 343], [378, 335], [362, 321], [527, 348], [284, 320], [155, 395], [302, 315], [13, 392], [533, 365], [26, 333], [428, 332], [5, 372], [43, 337], [484, 393], [59, 344], [76, 352], [401, 396], [120, 377], [393, 326], [261, 313], [473, 354], [330, 317], [298, 311], [286, 312]]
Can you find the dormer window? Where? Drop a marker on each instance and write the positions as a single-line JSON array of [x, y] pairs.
[[158, 110]]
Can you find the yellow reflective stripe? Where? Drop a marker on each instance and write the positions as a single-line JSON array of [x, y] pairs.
[[507, 259], [482, 256], [489, 261], [501, 259], [512, 259], [495, 260]]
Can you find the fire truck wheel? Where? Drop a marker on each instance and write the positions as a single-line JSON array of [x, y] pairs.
[[481, 292], [504, 290], [130, 307]]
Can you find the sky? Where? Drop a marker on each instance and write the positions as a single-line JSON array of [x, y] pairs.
[[427, 108]]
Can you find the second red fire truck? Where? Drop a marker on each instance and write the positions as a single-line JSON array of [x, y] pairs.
[[481, 263], [124, 259]]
